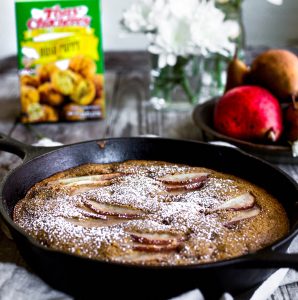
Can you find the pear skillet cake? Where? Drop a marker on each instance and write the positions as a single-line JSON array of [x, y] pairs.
[[151, 213]]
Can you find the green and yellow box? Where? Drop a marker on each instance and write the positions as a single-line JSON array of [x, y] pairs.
[[60, 59]]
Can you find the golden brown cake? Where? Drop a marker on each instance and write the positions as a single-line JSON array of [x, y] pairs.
[[152, 213]]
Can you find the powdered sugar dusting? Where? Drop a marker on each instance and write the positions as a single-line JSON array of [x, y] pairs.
[[137, 202]]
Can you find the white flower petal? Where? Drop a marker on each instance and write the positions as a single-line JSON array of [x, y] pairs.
[[162, 61], [154, 49], [139, 16], [210, 31], [173, 35], [233, 28], [183, 9], [171, 59]]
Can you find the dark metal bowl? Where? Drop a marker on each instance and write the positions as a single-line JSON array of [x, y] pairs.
[[276, 153]]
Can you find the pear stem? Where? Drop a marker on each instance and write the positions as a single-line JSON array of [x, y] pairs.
[[236, 53]]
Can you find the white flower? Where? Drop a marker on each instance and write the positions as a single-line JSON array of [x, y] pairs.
[[233, 28], [173, 38], [202, 31], [135, 18], [210, 31], [183, 27], [143, 15]]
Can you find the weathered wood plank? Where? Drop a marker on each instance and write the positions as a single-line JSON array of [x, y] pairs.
[[124, 117], [9, 101], [9, 109]]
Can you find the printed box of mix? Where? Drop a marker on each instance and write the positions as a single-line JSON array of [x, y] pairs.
[[60, 59]]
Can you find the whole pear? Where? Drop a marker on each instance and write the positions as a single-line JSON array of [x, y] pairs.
[[277, 71], [249, 113], [236, 72]]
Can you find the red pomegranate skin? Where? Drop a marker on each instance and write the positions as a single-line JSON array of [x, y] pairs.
[[249, 113]]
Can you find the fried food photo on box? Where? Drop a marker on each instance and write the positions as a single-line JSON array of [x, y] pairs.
[[60, 60]]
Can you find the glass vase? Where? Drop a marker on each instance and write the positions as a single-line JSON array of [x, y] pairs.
[[196, 79], [176, 87]]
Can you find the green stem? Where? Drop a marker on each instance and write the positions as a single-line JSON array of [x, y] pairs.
[[167, 92], [218, 71], [187, 89], [182, 78], [164, 84]]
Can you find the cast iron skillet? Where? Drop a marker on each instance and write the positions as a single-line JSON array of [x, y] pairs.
[[86, 278]]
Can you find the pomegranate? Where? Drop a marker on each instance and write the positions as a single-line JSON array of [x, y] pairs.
[[249, 113]]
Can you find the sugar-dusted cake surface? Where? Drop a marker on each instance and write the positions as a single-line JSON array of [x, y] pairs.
[[151, 213]]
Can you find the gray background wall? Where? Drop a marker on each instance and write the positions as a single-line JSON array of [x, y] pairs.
[[265, 24]]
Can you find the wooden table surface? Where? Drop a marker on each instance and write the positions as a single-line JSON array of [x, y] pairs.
[[127, 79]]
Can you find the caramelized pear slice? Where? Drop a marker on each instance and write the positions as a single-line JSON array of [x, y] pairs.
[[184, 178], [122, 212], [242, 202], [95, 222], [84, 180], [89, 213], [243, 215], [183, 188], [156, 238], [77, 190]]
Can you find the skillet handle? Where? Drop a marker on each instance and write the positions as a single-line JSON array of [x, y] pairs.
[[270, 260], [24, 151]]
